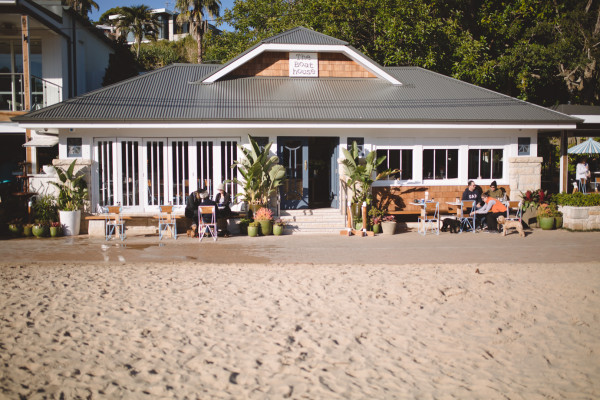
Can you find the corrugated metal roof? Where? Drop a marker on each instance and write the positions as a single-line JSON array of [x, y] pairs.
[[169, 95], [302, 35]]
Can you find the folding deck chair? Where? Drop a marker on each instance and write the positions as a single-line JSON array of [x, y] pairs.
[[430, 218], [207, 227], [167, 222], [114, 222], [466, 220]]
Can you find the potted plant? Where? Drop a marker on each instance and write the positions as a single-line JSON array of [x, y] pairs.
[[72, 192], [253, 228], [361, 173], [55, 229], [45, 212], [531, 201], [27, 230], [264, 217], [278, 227], [388, 225], [261, 174], [15, 227], [376, 215], [39, 229], [546, 217], [376, 223]]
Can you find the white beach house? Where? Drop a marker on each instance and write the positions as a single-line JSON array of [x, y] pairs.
[[152, 139]]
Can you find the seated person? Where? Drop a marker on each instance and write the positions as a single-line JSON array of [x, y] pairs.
[[492, 209], [198, 198], [496, 192], [472, 192], [223, 200]]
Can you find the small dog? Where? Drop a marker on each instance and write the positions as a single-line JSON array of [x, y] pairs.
[[510, 224], [452, 224]]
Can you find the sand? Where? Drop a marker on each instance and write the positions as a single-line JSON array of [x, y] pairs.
[[188, 330]]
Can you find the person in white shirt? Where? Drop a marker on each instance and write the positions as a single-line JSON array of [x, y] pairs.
[[582, 173]]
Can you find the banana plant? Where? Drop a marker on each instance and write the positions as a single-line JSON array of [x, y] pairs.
[[261, 174], [361, 173], [72, 188]]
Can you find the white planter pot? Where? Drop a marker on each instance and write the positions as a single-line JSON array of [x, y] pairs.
[[70, 220], [388, 228]]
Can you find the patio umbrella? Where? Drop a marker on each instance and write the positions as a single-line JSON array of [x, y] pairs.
[[590, 146]]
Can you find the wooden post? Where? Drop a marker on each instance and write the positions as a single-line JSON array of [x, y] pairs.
[[564, 161], [364, 216]]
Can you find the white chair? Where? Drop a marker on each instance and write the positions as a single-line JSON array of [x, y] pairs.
[[167, 222], [207, 227], [429, 219], [114, 222], [467, 221]]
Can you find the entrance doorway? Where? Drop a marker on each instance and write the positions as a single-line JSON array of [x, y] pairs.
[[311, 172]]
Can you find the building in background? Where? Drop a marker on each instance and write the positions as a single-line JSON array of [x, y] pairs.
[[48, 53]]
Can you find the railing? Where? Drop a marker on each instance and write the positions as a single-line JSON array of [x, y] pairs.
[[12, 92]]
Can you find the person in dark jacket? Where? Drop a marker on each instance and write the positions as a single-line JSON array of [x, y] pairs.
[[472, 192], [223, 200], [198, 198]]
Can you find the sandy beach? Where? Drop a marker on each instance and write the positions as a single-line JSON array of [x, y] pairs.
[[191, 330]]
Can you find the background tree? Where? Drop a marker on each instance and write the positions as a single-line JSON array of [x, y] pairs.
[[141, 21], [105, 17], [193, 12], [541, 51], [83, 7], [121, 64]]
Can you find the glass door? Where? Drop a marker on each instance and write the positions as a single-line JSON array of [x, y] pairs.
[[293, 155]]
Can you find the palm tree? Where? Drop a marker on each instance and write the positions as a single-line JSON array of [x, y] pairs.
[[141, 21], [192, 11], [83, 7]]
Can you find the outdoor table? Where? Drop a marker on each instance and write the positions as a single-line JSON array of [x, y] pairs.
[[423, 204]]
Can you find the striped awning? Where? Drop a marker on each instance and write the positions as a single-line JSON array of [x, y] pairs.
[[590, 146]]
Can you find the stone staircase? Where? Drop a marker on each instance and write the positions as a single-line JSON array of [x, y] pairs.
[[320, 220]]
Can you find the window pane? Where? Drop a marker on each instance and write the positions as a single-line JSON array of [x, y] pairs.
[[384, 165], [394, 162], [440, 164], [485, 164], [473, 164], [498, 160], [407, 164], [427, 164], [452, 172]]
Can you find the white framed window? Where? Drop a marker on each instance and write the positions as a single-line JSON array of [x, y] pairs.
[[401, 159], [485, 163], [439, 164]]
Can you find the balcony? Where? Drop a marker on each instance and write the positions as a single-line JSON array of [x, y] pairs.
[[12, 92]]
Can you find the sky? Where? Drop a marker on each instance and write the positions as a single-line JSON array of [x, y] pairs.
[[106, 5]]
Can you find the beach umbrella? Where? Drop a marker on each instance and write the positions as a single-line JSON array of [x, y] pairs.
[[590, 146]]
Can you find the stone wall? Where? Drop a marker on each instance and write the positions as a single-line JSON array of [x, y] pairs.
[[525, 174], [581, 218]]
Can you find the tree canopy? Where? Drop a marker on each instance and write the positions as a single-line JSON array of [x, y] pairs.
[[541, 51]]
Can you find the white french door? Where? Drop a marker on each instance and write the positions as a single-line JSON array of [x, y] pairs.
[[118, 172], [142, 174]]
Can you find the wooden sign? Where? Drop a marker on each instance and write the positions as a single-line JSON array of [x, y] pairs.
[[304, 65]]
